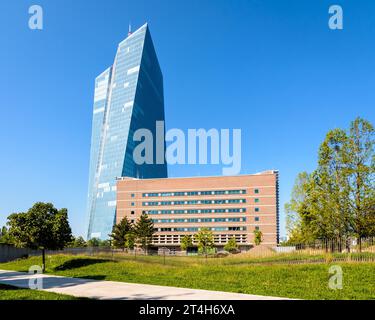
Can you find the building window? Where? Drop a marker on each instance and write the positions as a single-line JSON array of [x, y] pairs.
[[256, 190], [256, 200], [256, 218], [257, 228], [132, 212], [132, 195], [132, 221], [256, 209], [133, 203]]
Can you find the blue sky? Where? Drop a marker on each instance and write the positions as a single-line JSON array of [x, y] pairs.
[[271, 68]]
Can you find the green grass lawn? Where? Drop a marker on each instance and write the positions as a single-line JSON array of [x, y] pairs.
[[235, 274], [13, 293]]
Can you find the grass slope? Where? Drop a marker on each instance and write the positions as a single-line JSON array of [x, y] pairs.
[[307, 281]]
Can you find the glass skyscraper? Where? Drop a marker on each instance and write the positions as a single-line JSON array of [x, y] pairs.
[[128, 96]]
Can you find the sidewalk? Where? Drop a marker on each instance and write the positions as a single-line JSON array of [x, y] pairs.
[[112, 290]]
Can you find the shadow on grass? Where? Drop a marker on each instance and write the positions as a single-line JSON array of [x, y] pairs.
[[7, 287], [78, 263]]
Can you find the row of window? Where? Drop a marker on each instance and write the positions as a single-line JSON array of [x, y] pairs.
[[195, 193], [190, 220], [194, 211], [176, 238], [197, 229], [182, 202], [216, 236]]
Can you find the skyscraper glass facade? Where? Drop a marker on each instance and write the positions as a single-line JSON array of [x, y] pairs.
[[128, 96]]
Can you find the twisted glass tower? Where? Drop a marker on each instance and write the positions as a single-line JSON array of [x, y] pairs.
[[128, 96]]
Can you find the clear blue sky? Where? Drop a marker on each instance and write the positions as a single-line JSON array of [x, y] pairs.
[[271, 68]]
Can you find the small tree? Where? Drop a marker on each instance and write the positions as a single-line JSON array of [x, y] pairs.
[[120, 233], [231, 245], [4, 236], [205, 240], [93, 242], [79, 242], [144, 230], [104, 243], [258, 237], [186, 242], [41, 227], [130, 240]]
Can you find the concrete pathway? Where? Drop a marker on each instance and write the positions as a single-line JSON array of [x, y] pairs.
[[96, 289]]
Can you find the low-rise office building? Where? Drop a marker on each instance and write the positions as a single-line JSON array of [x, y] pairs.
[[230, 206]]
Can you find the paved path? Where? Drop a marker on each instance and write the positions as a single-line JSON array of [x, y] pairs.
[[96, 289]]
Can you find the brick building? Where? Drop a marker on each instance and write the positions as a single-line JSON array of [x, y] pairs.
[[227, 205]]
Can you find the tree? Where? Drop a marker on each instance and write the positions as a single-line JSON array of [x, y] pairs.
[[337, 201], [205, 240], [79, 242], [186, 242], [41, 227], [258, 237], [144, 230], [120, 234], [130, 239], [361, 172], [296, 210], [332, 190], [231, 245], [104, 243], [93, 242], [4, 236]]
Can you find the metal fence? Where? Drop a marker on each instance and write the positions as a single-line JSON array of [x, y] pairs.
[[9, 253], [316, 252], [340, 245]]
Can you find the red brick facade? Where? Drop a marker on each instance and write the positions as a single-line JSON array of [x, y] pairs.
[[229, 205]]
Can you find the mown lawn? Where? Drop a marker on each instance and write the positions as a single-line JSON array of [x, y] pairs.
[[306, 281], [13, 293]]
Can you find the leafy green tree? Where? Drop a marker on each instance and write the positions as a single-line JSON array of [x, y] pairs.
[[258, 237], [231, 245], [205, 240], [296, 209], [104, 243], [130, 239], [79, 242], [332, 208], [120, 234], [186, 242], [4, 236], [361, 172], [41, 227], [144, 230], [93, 242], [337, 201]]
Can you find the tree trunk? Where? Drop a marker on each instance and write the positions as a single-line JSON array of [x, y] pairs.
[[43, 260], [360, 244]]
